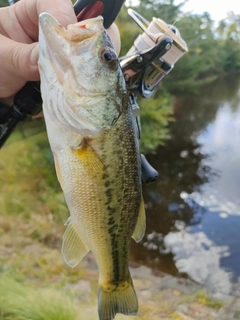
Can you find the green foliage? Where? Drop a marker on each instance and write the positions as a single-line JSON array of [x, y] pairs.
[[155, 116], [21, 302], [229, 43], [4, 3], [28, 167], [164, 9], [200, 64], [205, 299], [128, 31]]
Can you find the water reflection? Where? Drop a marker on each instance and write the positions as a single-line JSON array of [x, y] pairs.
[[193, 210], [199, 257], [182, 171]]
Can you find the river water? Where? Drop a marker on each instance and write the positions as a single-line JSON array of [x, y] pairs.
[[193, 209]]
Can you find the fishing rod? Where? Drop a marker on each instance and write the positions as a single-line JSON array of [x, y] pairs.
[[148, 61]]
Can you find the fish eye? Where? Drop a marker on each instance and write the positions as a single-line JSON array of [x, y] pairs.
[[109, 57]]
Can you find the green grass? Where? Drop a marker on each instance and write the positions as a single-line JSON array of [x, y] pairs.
[[206, 300], [21, 302], [28, 181]]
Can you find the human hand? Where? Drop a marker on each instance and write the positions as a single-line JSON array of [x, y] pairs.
[[18, 41]]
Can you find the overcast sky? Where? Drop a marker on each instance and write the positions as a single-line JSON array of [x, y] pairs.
[[217, 9]]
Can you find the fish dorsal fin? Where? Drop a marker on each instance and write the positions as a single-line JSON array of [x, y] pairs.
[[73, 248], [140, 227]]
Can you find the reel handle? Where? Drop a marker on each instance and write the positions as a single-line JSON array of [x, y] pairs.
[[149, 174]]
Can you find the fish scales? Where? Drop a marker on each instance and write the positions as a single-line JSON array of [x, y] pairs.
[[114, 201], [93, 138]]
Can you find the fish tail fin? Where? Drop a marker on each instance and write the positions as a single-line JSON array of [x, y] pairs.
[[120, 298]]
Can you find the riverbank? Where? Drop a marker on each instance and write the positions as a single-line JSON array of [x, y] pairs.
[[32, 259]]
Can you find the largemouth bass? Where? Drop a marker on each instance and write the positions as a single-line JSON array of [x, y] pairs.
[[93, 138]]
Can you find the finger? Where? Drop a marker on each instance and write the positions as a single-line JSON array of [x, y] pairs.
[[27, 13], [20, 65], [20, 21], [20, 59], [115, 36], [62, 10]]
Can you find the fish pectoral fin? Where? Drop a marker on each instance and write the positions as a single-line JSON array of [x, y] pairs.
[[73, 247], [90, 161], [140, 227], [58, 170]]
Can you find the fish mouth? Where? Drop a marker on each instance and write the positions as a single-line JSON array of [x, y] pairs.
[[85, 29], [77, 32], [59, 45]]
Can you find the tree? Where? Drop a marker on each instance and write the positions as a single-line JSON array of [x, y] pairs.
[[229, 39], [4, 3], [164, 9], [202, 62]]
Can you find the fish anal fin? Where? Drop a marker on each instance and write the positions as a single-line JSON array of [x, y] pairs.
[[140, 227], [120, 299], [90, 161], [73, 248]]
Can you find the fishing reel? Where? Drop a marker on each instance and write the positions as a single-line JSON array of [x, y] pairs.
[[148, 61], [152, 55]]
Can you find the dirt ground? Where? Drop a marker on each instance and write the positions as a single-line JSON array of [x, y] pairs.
[[164, 297], [186, 299], [31, 254]]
